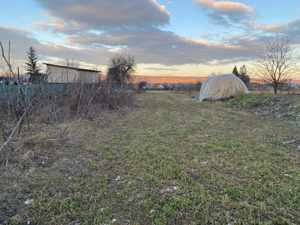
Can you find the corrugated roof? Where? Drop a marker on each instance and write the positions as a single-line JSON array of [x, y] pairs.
[[69, 67]]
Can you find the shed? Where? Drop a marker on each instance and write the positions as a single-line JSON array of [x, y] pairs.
[[66, 74]]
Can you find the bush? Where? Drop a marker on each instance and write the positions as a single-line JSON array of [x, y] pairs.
[[22, 115]]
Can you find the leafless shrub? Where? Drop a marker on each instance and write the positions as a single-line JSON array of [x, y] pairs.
[[187, 87], [142, 86], [120, 69]]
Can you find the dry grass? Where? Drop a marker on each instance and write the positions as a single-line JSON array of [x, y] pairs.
[[170, 161]]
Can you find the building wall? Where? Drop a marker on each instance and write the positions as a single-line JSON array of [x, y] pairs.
[[66, 75], [62, 75], [89, 77]]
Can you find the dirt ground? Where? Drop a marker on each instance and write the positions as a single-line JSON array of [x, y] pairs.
[[168, 161]]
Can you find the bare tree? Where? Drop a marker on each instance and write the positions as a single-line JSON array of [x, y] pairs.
[[277, 61], [120, 69], [69, 62]]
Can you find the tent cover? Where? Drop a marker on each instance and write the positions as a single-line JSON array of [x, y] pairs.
[[222, 86]]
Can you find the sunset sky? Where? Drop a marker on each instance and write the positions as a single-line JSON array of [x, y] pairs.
[[167, 38]]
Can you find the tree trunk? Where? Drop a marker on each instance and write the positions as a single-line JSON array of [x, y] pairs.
[[275, 89]]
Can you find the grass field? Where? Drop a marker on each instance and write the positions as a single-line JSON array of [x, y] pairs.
[[169, 161]]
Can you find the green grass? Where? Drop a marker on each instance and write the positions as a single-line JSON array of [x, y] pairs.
[[172, 161], [251, 100]]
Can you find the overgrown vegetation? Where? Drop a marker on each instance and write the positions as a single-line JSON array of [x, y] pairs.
[[48, 107], [280, 108], [162, 164], [120, 69], [187, 87], [34, 113]]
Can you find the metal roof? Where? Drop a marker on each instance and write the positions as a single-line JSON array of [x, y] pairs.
[[69, 67]]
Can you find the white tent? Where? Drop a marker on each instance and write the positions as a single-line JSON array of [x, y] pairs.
[[222, 86]]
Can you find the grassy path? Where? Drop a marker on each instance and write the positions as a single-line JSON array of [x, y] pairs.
[[172, 161]]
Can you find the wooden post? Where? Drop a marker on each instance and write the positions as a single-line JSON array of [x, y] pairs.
[[18, 87], [9, 52], [289, 89]]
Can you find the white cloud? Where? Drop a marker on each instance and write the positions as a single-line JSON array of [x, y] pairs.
[[20, 41], [225, 11], [291, 28], [226, 7]]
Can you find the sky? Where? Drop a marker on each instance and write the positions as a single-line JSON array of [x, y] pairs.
[[167, 38]]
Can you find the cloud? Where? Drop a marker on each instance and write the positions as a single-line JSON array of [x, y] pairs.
[[20, 41], [167, 48], [225, 7], [149, 47], [226, 10], [105, 14], [207, 35], [170, 2], [160, 69], [288, 28], [108, 27], [227, 61]]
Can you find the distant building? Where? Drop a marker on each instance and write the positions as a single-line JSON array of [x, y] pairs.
[[157, 86], [66, 74], [254, 85]]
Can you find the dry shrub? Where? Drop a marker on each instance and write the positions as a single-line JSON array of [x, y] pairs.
[[187, 87], [37, 117]]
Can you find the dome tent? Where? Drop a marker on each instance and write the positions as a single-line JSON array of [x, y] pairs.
[[222, 86]]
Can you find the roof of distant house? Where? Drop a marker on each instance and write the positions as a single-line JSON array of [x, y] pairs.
[[253, 84], [69, 67], [155, 85]]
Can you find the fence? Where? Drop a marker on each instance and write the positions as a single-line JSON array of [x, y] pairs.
[[15, 92]]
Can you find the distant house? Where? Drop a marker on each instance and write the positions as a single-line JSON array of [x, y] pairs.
[[254, 85], [66, 74], [157, 86]]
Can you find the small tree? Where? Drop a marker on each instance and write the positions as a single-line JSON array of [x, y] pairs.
[[31, 65], [277, 61], [235, 71], [142, 86], [242, 74], [120, 69]]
